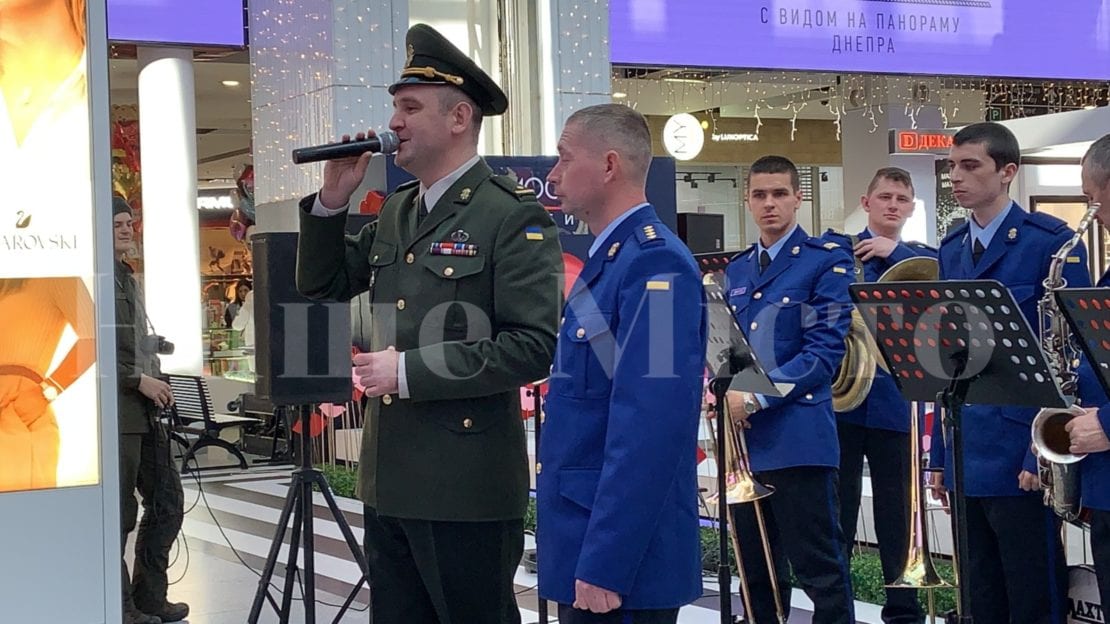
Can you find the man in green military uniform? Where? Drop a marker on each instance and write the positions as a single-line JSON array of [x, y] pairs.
[[144, 448], [463, 271]]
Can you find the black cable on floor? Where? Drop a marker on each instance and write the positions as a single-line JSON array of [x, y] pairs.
[[181, 534], [280, 593]]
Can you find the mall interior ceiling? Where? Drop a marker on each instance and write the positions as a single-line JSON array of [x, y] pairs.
[[223, 109]]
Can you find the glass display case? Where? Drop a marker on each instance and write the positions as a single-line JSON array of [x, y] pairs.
[[223, 347]]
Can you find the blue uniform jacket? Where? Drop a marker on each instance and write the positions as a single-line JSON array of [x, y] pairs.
[[795, 315], [884, 407], [997, 442], [616, 493], [1094, 471]]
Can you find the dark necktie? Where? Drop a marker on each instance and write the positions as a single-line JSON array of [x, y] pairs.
[[422, 211], [977, 251], [764, 260]]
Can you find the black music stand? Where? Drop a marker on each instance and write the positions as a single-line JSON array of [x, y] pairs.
[[731, 365], [1088, 312], [958, 342], [537, 422]]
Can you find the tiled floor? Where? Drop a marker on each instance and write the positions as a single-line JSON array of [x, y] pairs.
[[241, 511]]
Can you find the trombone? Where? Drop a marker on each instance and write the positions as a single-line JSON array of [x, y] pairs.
[[918, 572], [744, 488]]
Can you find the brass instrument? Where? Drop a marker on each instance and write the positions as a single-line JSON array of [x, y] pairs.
[[1055, 463], [743, 488], [918, 571], [852, 382]]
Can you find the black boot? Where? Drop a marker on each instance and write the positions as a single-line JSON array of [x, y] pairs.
[[172, 612], [131, 615]]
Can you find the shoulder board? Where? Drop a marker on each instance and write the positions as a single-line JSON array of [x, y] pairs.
[[404, 193], [1046, 222], [831, 233], [406, 185], [649, 234], [510, 185], [919, 245], [743, 253], [954, 234], [821, 244]]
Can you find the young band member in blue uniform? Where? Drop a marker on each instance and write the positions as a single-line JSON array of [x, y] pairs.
[[879, 428], [1017, 561], [789, 293], [616, 482], [1089, 432]]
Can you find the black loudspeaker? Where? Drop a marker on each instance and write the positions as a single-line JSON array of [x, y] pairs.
[[302, 347], [702, 232]]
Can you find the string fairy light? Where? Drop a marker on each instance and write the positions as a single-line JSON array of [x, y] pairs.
[[316, 70], [321, 69], [794, 119]]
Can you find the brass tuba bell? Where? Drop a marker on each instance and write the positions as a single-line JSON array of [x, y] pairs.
[[852, 382]]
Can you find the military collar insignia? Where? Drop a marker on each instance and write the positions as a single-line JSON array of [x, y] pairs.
[[1012, 234], [613, 249], [794, 250], [465, 194]]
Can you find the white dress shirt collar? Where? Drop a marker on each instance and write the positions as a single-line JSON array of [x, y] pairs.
[[433, 193]]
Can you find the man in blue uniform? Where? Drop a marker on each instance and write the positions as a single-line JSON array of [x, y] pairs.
[[1016, 557], [1089, 431], [879, 427], [789, 293], [616, 482]]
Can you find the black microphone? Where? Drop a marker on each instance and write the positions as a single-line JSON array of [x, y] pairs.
[[385, 143]]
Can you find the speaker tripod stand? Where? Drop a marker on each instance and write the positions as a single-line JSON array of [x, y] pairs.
[[298, 504]]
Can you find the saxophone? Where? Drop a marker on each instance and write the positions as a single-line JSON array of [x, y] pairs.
[[1056, 465]]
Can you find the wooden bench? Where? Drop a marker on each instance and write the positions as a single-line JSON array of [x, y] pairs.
[[193, 414]]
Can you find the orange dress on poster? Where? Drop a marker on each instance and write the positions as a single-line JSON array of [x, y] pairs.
[[34, 314]]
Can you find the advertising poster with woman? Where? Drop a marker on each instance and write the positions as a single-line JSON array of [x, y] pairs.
[[49, 425]]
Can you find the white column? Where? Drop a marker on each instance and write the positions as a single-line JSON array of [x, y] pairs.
[[574, 60], [319, 70], [171, 253]]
